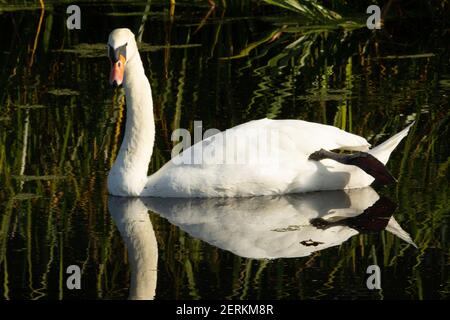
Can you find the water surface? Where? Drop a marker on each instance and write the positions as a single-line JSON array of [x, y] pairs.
[[61, 126]]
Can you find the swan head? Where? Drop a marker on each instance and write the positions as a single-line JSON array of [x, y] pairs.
[[121, 49]]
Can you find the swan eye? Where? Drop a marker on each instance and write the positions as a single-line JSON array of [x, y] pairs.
[[122, 51], [114, 54]]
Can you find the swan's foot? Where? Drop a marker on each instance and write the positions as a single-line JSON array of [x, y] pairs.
[[362, 160], [318, 155]]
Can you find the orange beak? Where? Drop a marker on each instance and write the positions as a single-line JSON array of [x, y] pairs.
[[117, 71]]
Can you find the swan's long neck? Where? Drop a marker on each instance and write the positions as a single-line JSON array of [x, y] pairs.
[[129, 172]]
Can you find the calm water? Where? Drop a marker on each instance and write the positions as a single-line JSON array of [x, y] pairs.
[[61, 126]]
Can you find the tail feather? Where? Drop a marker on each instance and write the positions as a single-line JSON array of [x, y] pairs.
[[394, 228], [383, 151]]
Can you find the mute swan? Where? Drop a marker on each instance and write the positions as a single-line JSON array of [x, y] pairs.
[[298, 162], [286, 226]]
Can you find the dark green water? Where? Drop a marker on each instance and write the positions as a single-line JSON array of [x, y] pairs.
[[61, 126]]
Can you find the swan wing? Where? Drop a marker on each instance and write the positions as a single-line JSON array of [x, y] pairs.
[[259, 157]]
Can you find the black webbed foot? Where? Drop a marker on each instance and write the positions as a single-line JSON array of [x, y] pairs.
[[318, 155], [362, 160]]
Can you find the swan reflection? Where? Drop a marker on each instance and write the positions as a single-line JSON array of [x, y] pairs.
[[260, 227], [131, 218], [285, 226]]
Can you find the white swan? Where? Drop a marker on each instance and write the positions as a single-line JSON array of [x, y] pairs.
[[285, 226], [287, 168]]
